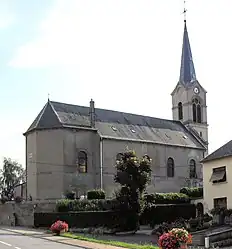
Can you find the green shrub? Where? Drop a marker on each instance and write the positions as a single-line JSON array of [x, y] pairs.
[[165, 198], [192, 192], [96, 194], [63, 205], [158, 214], [66, 205], [119, 221], [149, 199]]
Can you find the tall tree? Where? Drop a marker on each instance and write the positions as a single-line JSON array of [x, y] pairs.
[[11, 174], [133, 174]]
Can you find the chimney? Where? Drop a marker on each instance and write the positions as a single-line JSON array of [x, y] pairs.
[[92, 113]]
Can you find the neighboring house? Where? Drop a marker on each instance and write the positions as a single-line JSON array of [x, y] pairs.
[[20, 190], [217, 178], [75, 147]]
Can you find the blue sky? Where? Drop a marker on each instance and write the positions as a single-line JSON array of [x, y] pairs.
[[125, 54]]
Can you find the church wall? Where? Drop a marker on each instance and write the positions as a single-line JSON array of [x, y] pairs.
[[179, 96], [160, 155], [31, 165], [53, 170], [75, 141], [49, 164], [56, 152]]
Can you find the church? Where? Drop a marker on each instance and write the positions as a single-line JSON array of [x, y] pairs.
[[72, 147]]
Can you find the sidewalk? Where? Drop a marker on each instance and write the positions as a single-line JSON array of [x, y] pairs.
[[59, 239]]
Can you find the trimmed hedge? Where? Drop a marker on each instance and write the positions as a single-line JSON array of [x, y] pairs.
[[96, 194], [66, 205], [166, 198], [193, 192], [157, 214], [126, 221]]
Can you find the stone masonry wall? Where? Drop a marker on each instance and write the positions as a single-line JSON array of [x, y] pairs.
[[22, 214]]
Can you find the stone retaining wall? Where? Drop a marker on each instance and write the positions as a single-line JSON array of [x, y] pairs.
[[22, 214]]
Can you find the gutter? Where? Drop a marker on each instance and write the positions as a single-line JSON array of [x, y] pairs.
[[151, 142], [101, 163]]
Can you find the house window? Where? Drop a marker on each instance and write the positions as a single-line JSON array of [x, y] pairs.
[[220, 202], [218, 175], [196, 107], [192, 169], [170, 167], [82, 162], [180, 111]]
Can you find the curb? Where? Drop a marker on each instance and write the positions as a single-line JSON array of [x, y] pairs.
[[33, 236]]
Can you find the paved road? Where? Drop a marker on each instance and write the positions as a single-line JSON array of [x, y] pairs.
[[10, 240]]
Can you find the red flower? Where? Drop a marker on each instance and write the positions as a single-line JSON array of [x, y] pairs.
[[168, 240], [59, 226]]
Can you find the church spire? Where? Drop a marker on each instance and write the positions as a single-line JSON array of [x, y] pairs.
[[187, 70]]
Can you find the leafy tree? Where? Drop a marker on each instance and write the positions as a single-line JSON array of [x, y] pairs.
[[133, 174], [11, 175]]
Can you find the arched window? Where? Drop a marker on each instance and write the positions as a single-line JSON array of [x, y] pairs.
[[198, 113], [194, 113], [192, 169], [82, 162], [170, 167], [196, 106], [180, 111]]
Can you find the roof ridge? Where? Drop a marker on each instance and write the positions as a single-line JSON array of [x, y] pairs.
[[102, 109]]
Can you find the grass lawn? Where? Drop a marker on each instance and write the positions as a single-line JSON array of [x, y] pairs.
[[108, 242]]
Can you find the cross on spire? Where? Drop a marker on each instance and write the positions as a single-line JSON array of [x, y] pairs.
[[185, 11]]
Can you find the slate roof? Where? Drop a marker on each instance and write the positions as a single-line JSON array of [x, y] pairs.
[[187, 69], [224, 151], [116, 125]]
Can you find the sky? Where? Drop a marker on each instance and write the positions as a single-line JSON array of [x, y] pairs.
[[125, 54]]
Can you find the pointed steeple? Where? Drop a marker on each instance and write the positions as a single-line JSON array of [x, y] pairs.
[[187, 70]]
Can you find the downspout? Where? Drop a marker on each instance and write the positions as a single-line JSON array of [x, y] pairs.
[[101, 163]]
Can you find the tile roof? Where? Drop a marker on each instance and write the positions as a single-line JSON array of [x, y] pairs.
[[224, 151], [116, 125]]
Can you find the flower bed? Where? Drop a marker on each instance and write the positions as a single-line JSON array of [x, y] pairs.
[[175, 238]]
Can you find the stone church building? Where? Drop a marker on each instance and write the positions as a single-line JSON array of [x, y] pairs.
[[71, 147]]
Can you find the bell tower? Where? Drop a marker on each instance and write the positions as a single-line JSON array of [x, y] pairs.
[[189, 97]]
